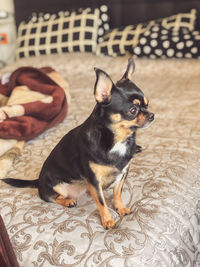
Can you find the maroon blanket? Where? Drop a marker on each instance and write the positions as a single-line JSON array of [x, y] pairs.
[[35, 102]]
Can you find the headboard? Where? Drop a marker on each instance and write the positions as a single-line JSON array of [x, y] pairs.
[[122, 12]]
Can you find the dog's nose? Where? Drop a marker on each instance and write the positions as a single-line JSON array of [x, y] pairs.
[[151, 117]]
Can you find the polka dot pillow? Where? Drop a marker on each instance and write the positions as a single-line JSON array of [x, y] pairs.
[[138, 39], [159, 42], [65, 31]]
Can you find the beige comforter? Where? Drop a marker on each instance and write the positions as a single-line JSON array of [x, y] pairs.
[[162, 188]]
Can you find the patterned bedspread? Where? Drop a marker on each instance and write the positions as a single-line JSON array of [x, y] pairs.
[[162, 188]]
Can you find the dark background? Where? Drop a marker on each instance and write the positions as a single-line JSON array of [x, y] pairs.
[[122, 12]]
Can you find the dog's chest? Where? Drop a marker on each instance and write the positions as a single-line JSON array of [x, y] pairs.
[[122, 152], [119, 148]]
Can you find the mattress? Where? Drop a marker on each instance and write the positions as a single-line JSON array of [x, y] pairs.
[[162, 188]]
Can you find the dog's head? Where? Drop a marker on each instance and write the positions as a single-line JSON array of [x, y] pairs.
[[123, 103]]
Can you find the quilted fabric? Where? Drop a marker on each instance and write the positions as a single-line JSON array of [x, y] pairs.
[[162, 188]]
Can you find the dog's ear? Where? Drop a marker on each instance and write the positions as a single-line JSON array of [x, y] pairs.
[[103, 87], [129, 70]]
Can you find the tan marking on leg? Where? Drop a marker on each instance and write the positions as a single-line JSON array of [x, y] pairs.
[[67, 202], [106, 219], [61, 189], [118, 199], [104, 174], [101, 170]]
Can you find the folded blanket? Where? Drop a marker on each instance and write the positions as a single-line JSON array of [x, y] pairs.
[[31, 101], [7, 255], [36, 102]]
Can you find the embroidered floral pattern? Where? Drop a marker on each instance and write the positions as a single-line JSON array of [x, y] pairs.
[[162, 188]]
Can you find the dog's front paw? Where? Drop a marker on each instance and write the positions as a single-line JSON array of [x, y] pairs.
[[123, 211], [108, 224]]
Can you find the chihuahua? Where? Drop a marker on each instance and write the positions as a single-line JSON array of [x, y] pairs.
[[98, 152]]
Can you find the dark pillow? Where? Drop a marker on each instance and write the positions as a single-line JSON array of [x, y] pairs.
[[120, 41], [66, 31], [159, 42]]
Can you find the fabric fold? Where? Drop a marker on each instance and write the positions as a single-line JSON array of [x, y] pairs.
[[32, 101]]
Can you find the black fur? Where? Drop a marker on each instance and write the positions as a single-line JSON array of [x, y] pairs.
[[21, 183]]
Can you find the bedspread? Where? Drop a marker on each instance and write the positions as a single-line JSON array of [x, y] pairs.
[[162, 188]]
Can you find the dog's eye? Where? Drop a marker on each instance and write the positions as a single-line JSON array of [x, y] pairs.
[[134, 110]]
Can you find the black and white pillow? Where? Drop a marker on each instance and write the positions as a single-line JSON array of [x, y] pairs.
[[120, 41], [66, 31], [159, 42]]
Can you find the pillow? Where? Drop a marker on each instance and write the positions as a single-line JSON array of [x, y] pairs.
[[120, 41], [67, 31], [159, 42]]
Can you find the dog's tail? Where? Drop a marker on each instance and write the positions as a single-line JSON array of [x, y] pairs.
[[21, 183]]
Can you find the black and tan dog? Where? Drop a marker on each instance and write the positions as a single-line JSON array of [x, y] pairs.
[[98, 152]]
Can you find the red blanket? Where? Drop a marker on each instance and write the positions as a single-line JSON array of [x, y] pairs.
[[35, 101]]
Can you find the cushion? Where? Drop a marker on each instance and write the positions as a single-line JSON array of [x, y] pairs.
[[119, 41], [123, 40], [159, 42], [66, 31]]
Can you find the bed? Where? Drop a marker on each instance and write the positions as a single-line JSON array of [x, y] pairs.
[[162, 188], [163, 185]]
